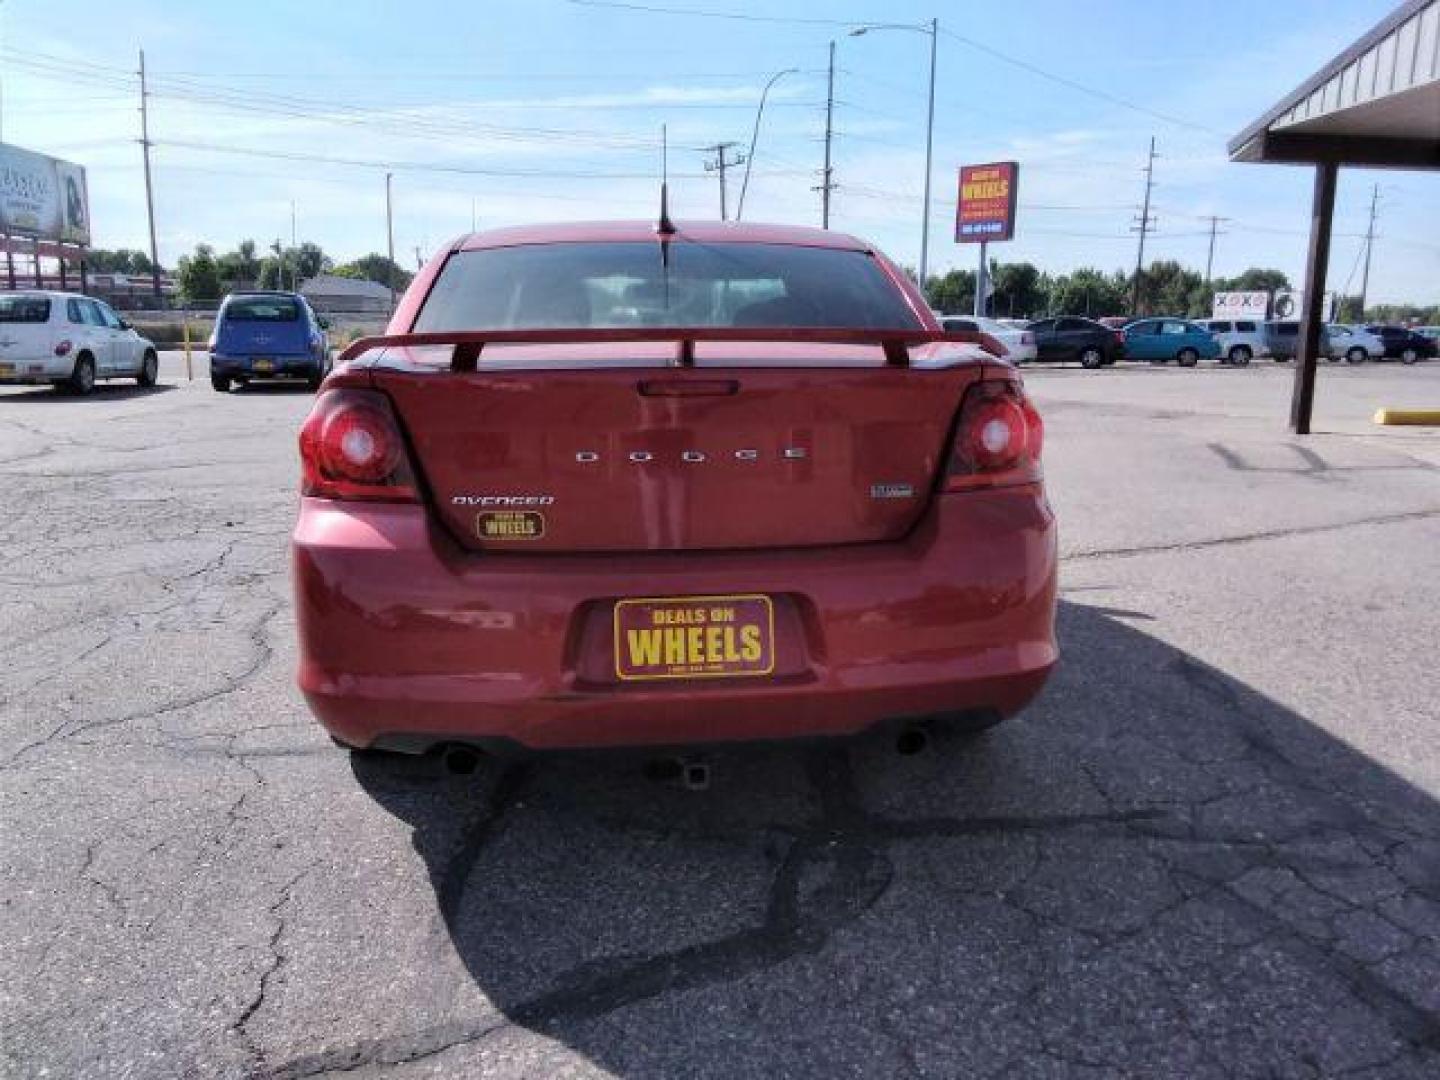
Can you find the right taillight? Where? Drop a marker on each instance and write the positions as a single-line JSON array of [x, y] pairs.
[[998, 439], [351, 448]]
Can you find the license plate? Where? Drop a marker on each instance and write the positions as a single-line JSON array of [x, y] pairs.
[[694, 637], [7, 369], [262, 363]]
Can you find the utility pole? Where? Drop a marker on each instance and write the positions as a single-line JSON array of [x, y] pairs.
[[149, 189], [1210, 258], [390, 241], [719, 165], [1369, 243], [826, 184], [929, 145], [1145, 226]]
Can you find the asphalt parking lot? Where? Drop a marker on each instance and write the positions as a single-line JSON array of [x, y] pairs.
[[1212, 849]]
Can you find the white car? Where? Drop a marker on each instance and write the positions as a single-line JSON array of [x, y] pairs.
[[1240, 340], [1353, 343], [1019, 344], [70, 341]]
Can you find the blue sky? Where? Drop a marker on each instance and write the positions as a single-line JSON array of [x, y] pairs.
[[548, 110]]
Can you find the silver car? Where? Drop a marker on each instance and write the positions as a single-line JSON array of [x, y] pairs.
[[70, 341], [1353, 343]]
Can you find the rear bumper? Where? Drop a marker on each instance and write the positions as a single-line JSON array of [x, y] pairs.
[[405, 640], [295, 365], [35, 369]]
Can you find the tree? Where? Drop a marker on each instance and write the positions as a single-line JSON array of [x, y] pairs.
[[240, 267], [119, 261], [1018, 290], [1255, 279], [198, 276], [1169, 289], [1087, 292], [377, 268], [309, 260], [952, 292]]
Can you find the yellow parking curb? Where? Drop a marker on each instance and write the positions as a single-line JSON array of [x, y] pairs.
[[1424, 417]]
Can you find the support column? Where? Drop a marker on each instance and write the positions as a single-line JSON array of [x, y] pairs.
[[1307, 359]]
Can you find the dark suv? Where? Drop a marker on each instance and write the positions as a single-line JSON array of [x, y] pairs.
[[1404, 345], [1282, 336], [1073, 338]]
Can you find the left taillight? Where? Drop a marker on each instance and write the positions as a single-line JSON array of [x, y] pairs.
[[351, 448], [63, 348], [999, 438]]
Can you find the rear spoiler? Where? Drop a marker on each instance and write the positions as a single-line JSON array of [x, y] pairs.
[[468, 344]]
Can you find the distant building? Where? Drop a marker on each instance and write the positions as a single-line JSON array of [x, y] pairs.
[[342, 295]]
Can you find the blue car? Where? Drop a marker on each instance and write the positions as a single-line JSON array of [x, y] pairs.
[[1163, 340], [267, 335]]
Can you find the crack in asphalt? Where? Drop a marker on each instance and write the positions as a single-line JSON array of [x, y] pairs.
[[1248, 538], [844, 838]]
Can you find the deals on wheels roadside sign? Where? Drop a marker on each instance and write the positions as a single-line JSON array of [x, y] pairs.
[[43, 197], [986, 208]]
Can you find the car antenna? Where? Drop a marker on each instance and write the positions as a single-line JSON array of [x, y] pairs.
[[664, 227]]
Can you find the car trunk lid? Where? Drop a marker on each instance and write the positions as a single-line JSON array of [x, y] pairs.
[[602, 447]]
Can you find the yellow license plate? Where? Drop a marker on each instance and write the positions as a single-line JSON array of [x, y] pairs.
[[262, 365], [694, 637], [7, 369]]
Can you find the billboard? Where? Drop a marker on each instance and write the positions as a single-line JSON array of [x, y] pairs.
[[986, 207], [1240, 305], [43, 197]]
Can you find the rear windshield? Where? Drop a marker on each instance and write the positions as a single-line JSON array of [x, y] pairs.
[[581, 285], [24, 309], [262, 309]]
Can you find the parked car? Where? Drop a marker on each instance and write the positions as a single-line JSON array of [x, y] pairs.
[[1015, 324], [1114, 322], [1073, 338], [1282, 336], [1163, 340], [267, 335], [1353, 343], [1240, 340], [699, 506], [70, 341], [1431, 332], [1403, 344], [1019, 344]]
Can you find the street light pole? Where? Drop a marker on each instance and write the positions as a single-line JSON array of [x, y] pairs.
[[933, 29], [929, 148], [754, 134]]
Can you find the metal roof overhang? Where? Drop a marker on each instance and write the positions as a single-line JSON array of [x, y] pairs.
[[1377, 104]]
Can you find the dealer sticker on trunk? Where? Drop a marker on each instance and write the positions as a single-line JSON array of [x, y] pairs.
[[691, 637], [510, 525]]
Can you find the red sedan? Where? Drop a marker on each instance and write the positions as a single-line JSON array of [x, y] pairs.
[[605, 485]]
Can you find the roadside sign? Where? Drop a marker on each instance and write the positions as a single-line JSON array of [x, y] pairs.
[[43, 197], [1241, 305], [985, 210]]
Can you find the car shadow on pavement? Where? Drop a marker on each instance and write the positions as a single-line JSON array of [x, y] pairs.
[[1155, 871], [48, 395]]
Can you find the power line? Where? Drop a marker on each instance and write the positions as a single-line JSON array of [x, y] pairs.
[[1102, 95], [734, 16], [423, 166]]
